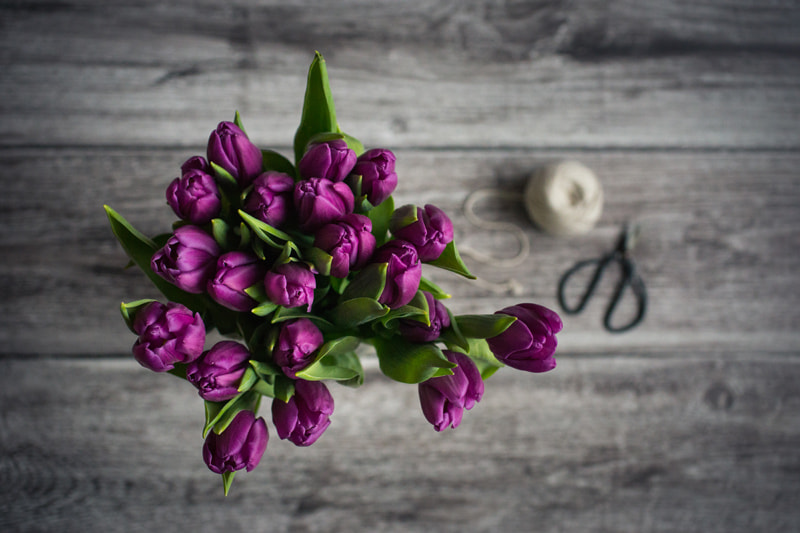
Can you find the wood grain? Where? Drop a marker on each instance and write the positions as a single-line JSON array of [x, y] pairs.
[[614, 444]]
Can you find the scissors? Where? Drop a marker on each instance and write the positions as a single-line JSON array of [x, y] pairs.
[[630, 278]]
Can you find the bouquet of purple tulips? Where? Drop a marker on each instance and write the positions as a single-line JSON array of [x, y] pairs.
[[300, 264]]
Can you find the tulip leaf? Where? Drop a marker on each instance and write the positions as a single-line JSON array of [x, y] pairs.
[[219, 415], [343, 366], [483, 357], [264, 309], [380, 216], [453, 336], [224, 178], [284, 388], [484, 326], [368, 283], [353, 143], [260, 226], [357, 311], [451, 260], [409, 362], [140, 249], [434, 289], [289, 313], [321, 260], [237, 119], [227, 481], [257, 292], [319, 114], [275, 162], [249, 379], [222, 233], [129, 311], [264, 369], [179, 370], [337, 347], [416, 309]]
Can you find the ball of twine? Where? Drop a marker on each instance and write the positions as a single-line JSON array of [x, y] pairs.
[[564, 198]]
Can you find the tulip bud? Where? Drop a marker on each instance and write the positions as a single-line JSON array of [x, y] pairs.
[[443, 399], [241, 445], [296, 344], [402, 275], [530, 342], [291, 285], [229, 147], [196, 162], [188, 259], [349, 241], [194, 197], [430, 233], [331, 160], [319, 201], [306, 415], [416, 331], [236, 271], [217, 372], [168, 334], [378, 178], [270, 200]]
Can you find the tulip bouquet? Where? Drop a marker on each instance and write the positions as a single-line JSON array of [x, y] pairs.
[[299, 264]]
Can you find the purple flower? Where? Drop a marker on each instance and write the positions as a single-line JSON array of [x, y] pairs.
[[291, 285], [430, 233], [236, 271], [443, 399], [378, 178], [306, 415], [217, 372], [270, 200], [319, 201], [530, 342], [241, 445], [349, 241], [331, 160], [416, 331], [188, 259], [196, 162], [229, 147], [402, 275], [296, 344], [194, 197], [168, 334]]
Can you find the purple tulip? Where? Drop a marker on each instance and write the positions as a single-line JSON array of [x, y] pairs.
[[270, 200], [168, 334], [319, 201], [241, 445], [196, 162], [236, 271], [291, 285], [443, 399], [218, 372], [378, 178], [349, 241], [188, 259], [402, 275], [331, 160], [416, 331], [229, 147], [306, 415], [530, 342], [430, 233], [194, 197], [296, 344]]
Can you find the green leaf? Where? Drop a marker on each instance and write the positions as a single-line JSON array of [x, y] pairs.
[[224, 178], [368, 283], [227, 481], [129, 311], [484, 359], [416, 309], [141, 249], [338, 346], [336, 366], [451, 260], [257, 292], [264, 309], [409, 362], [434, 289], [237, 119], [321, 259], [290, 313], [484, 326], [222, 233], [319, 114], [380, 216], [249, 379], [218, 418], [273, 161], [284, 388], [353, 143], [453, 336], [179, 370], [357, 311], [257, 225], [265, 369]]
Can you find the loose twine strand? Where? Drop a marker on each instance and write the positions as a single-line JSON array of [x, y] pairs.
[[562, 199]]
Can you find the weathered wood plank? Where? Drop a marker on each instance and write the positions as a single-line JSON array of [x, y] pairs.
[[600, 444], [719, 251], [545, 74]]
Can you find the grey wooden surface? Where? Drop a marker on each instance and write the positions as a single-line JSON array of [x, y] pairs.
[[688, 112]]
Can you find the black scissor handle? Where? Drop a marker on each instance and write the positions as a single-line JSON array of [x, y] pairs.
[[600, 265], [630, 279]]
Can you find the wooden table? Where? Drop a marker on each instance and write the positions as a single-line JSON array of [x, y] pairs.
[[687, 110]]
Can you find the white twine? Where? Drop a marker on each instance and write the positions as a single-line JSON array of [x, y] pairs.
[[563, 198]]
